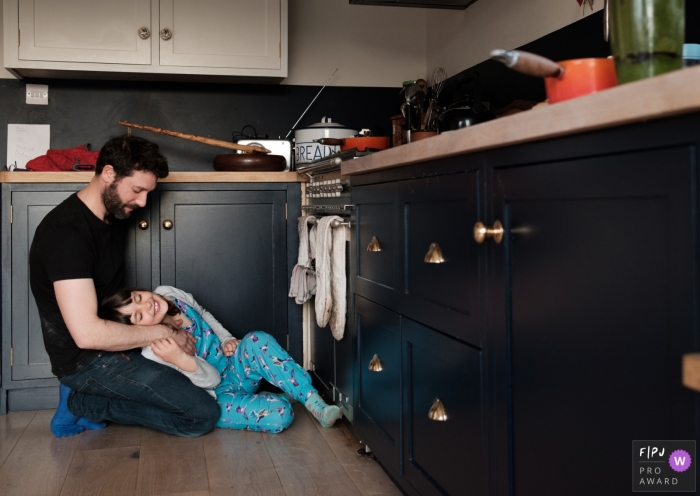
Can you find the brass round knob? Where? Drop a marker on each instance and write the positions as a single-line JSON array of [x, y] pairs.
[[144, 33], [143, 224], [481, 232], [375, 365], [165, 34], [168, 224], [374, 245], [437, 411]]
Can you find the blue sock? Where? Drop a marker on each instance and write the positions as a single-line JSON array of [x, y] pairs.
[[64, 423]]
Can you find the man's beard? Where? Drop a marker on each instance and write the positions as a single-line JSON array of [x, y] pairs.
[[114, 204]]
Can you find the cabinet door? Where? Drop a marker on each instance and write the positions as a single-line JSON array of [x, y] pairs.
[[101, 31], [221, 33], [378, 243], [439, 213], [442, 455], [602, 269], [30, 360], [229, 249], [378, 398]]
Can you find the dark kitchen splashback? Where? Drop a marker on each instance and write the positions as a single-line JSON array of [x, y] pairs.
[[82, 111], [501, 85]]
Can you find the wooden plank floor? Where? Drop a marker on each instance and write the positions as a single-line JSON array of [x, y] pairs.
[[306, 459]]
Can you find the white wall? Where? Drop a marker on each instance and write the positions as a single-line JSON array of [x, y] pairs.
[[371, 46], [458, 40], [3, 73]]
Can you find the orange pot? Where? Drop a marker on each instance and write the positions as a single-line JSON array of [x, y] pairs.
[[563, 80], [361, 143]]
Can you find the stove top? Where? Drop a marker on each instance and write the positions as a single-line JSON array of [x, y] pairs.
[[332, 162]]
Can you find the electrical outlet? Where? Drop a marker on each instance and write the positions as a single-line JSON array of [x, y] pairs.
[[37, 94]]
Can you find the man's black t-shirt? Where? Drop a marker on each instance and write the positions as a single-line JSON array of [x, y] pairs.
[[72, 243]]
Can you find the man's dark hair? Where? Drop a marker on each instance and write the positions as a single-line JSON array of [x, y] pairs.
[[128, 154]]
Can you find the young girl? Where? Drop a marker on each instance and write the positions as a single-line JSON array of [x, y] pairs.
[[229, 368]]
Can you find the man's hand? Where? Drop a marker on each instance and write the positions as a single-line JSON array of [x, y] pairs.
[[186, 341], [230, 346]]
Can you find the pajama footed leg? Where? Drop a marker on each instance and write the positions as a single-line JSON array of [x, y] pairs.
[[263, 412], [326, 414]]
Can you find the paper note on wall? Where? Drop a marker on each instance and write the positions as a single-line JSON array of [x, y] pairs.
[[25, 142]]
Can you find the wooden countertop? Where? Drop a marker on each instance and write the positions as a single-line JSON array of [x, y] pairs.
[[173, 177], [670, 94]]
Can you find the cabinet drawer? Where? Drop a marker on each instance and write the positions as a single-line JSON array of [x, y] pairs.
[[442, 291], [377, 412], [442, 456], [378, 245]]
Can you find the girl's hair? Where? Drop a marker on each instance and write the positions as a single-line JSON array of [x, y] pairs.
[[110, 305]]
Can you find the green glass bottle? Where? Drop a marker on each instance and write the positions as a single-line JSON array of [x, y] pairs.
[[646, 37]]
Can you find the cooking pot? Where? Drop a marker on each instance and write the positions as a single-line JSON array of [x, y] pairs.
[[307, 150], [362, 143], [563, 80], [463, 114]]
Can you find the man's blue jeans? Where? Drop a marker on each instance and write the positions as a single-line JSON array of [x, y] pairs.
[[143, 392]]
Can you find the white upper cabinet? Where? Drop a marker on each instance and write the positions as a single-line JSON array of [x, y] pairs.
[[101, 31], [145, 38], [220, 33]]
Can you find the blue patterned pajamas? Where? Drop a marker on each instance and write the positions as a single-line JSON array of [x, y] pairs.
[[258, 356]]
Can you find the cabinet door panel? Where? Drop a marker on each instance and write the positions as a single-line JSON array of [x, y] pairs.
[[378, 399], [601, 273], [378, 272], [85, 31], [442, 210], [228, 248], [239, 33], [442, 457]]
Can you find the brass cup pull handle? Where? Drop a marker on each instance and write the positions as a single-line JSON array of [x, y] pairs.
[[437, 411], [168, 224], [481, 232], [375, 365], [434, 255], [143, 224], [374, 245]]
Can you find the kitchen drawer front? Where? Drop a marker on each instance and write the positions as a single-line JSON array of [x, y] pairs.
[[442, 457], [439, 213], [377, 413], [378, 243]]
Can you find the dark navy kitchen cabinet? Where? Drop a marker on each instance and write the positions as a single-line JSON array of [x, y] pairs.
[[225, 243], [554, 347]]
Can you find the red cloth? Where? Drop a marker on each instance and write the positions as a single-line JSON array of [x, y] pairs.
[[78, 158]]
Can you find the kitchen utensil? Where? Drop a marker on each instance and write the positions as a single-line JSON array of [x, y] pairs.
[[199, 139], [460, 115], [276, 147], [563, 80], [421, 135], [646, 37], [250, 162], [362, 143], [259, 161], [306, 149], [437, 81]]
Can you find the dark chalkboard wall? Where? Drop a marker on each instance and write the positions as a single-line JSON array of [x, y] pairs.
[[89, 111]]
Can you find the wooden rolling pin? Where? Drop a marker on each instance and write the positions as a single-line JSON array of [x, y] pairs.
[[200, 139]]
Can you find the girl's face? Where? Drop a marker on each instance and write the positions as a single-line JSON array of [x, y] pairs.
[[146, 308]]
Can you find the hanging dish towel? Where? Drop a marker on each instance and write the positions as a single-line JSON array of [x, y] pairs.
[[303, 283], [330, 275]]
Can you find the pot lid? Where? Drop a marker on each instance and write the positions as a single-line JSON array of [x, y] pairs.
[[326, 122]]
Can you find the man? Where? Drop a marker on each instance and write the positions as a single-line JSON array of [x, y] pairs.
[[76, 258]]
